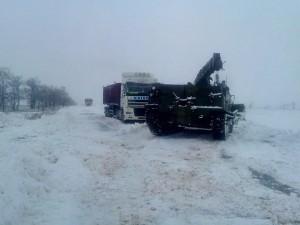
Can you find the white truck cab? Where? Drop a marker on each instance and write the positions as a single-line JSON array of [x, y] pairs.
[[135, 89], [126, 100]]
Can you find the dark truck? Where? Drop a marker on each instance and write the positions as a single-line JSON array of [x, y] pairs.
[[88, 101], [112, 100], [201, 105]]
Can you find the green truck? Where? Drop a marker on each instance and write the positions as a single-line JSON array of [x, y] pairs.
[[202, 105]]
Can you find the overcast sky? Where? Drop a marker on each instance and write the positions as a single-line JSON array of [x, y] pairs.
[[84, 45]]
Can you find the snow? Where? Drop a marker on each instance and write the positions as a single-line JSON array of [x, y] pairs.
[[78, 167]]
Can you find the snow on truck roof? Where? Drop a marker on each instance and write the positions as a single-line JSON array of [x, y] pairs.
[[138, 77]]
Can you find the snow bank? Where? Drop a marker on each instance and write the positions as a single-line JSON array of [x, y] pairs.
[[78, 167]]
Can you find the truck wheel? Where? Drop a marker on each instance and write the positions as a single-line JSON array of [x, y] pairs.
[[221, 129], [120, 115], [106, 112], [154, 123], [157, 125]]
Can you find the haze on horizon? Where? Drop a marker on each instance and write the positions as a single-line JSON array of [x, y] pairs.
[[84, 45]]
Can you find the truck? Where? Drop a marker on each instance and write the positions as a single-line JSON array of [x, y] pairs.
[[204, 104], [88, 101], [126, 100]]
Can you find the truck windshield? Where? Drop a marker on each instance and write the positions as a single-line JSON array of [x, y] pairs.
[[138, 88]]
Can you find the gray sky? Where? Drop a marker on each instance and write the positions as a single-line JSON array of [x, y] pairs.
[[84, 45]]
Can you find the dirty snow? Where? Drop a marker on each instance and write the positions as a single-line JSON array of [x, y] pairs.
[[78, 167]]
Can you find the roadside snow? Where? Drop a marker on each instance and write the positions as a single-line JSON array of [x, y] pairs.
[[78, 167]]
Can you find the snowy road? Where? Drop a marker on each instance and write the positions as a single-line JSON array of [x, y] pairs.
[[78, 167]]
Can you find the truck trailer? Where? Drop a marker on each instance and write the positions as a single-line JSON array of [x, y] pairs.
[[126, 100]]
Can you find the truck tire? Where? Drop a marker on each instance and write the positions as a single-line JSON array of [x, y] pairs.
[[107, 112], [220, 129], [120, 115], [157, 125]]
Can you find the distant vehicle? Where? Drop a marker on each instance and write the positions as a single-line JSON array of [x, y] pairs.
[[202, 105], [126, 100], [88, 101]]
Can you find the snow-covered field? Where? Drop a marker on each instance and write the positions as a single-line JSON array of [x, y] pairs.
[[78, 167]]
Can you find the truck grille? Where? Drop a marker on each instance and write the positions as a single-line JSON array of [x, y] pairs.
[[137, 103]]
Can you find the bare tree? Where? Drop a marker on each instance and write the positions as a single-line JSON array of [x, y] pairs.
[[33, 92], [15, 95], [4, 85], [41, 97]]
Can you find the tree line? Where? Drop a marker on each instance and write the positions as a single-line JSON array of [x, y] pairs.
[[14, 90]]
